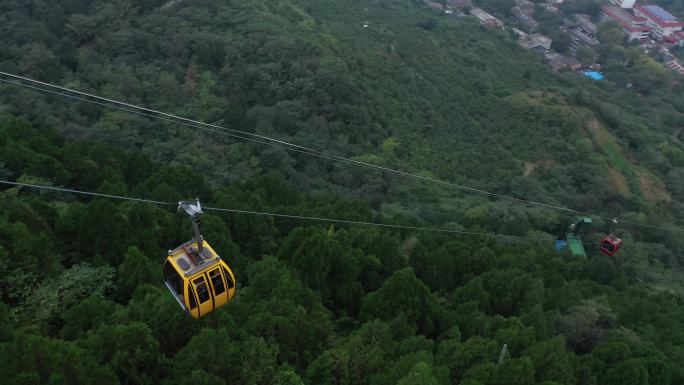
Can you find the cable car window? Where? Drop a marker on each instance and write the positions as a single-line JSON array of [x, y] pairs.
[[608, 246], [217, 282], [229, 279], [193, 302], [202, 290], [173, 279]]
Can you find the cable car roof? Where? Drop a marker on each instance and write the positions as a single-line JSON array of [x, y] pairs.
[[188, 264]]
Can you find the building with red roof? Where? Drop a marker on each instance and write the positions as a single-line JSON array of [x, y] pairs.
[[662, 23], [634, 27]]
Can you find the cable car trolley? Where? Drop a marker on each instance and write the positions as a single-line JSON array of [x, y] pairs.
[[610, 244], [195, 275]]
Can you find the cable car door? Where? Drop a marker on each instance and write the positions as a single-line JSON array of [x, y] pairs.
[[218, 286], [204, 297]]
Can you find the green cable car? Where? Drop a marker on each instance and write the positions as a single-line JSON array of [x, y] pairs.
[[572, 239]]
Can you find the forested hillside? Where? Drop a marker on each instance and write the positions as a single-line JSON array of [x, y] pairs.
[[384, 82]]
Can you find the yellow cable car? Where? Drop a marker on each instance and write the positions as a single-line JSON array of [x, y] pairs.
[[197, 277]]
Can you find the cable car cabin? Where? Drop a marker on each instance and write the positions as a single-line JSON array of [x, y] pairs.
[[610, 245], [200, 284]]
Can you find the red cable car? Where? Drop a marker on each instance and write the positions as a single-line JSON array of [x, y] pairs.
[[610, 245]]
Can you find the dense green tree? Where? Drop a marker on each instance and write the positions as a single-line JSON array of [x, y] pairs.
[[103, 217], [247, 361], [552, 362], [628, 372], [511, 291], [36, 359], [460, 357], [610, 33], [88, 314], [282, 310], [420, 374], [585, 326], [356, 358], [135, 269], [325, 264], [448, 100], [129, 350], [404, 295], [199, 376], [57, 295]]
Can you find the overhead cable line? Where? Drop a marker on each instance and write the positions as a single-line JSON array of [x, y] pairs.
[[277, 215], [72, 191], [265, 140], [143, 114], [261, 139]]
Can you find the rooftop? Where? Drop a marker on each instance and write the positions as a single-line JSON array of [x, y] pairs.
[[485, 17], [625, 19], [579, 36], [659, 15], [481, 14], [534, 40], [586, 23], [571, 61], [185, 257]]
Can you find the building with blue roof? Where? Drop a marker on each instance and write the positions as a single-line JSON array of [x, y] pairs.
[[664, 25], [594, 75]]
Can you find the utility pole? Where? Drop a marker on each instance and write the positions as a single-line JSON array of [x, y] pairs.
[[504, 350]]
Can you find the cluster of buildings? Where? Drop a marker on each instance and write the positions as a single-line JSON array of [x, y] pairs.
[[582, 31], [645, 22], [539, 43], [642, 22], [536, 42], [485, 18], [524, 12]]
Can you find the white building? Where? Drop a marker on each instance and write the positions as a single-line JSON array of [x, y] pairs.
[[624, 3], [663, 24]]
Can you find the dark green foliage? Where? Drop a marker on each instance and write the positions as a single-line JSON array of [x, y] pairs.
[[405, 297], [129, 350], [87, 315], [135, 269], [250, 360], [334, 306], [282, 310], [323, 263], [82, 299], [32, 359], [552, 362], [56, 295]]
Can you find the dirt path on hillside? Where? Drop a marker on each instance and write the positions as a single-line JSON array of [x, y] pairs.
[[619, 182], [653, 191]]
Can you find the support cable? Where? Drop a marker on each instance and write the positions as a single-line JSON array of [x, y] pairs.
[[265, 140]]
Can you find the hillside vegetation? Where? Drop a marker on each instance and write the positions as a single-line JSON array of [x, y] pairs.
[[412, 90]]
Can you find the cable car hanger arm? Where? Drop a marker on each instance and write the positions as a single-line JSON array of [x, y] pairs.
[[194, 209]]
